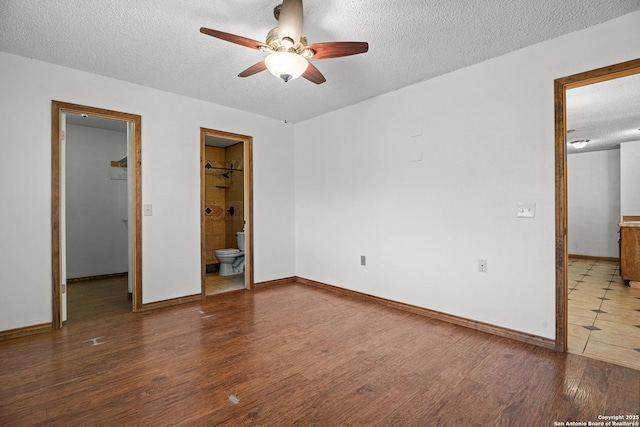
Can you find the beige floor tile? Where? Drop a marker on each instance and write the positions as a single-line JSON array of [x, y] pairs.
[[570, 286], [620, 304], [582, 312], [595, 284], [588, 304], [595, 291], [592, 283], [619, 355], [616, 334], [604, 272], [216, 284], [577, 338], [599, 275], [602, 269], [625, 317], [626, 293], [588, 293], [581, 320]]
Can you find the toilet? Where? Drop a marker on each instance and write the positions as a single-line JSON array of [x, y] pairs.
[[232, 260]]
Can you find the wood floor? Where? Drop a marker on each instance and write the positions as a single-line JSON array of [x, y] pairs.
[[294, 355]]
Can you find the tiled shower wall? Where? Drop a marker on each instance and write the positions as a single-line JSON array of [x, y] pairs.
[[234, 194], [220, 195]]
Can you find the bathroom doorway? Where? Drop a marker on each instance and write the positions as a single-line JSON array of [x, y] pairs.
[[226, 214]]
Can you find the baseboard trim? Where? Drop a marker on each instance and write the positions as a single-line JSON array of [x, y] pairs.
[[170, 302], [277, 282], [460, 321], [25, 331], [595, 258], [101, 276]]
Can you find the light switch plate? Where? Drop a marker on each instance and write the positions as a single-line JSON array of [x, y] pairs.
[[148, 210], [526, 210]]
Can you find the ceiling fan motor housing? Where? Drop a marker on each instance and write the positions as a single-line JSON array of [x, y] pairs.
[[275, 43]]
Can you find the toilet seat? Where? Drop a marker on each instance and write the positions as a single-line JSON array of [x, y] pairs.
[[227, 251]]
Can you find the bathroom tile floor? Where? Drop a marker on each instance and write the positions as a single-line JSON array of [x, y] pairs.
[[216, 284], [604, 313]]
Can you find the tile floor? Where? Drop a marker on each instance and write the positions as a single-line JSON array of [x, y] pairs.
[[216, 284], [604, 313]]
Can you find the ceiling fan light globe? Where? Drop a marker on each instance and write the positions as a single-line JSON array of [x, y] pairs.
[[286, 65]]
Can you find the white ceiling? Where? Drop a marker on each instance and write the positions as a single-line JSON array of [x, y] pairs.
[[606, 113], [96, 122], [157, 43]]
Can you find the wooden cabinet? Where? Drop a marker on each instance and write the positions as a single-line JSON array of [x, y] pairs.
[[630, 252]]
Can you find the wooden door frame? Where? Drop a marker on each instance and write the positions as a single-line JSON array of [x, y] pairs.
[[562, 258], [57, 109], [248, 203]]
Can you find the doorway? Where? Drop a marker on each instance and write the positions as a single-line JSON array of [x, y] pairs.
[[226, 179], [562, 259], [132, 210]]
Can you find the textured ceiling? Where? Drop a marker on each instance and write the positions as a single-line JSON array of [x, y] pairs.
[[606, 113], [157, 43]]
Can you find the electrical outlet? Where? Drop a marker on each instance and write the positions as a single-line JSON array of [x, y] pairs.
[[526, 210], [482, 265], [363, 260]]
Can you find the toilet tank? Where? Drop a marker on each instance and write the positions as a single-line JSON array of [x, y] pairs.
[[240, 238]]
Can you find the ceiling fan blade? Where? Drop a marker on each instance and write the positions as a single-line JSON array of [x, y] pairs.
[[337, 49], [290, 21], [242, 41], [313, 74], [254, 69]]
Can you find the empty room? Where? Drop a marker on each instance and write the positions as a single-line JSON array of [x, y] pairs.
[[329, 213]]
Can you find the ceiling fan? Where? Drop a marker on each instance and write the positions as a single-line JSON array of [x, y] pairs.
[[287, 46]]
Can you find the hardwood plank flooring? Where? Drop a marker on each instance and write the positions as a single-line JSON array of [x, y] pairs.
[[295, 355]]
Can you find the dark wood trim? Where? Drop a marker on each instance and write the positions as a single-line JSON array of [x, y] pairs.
[[101, 276], [460, 321], [561, 218], [203, 234], [25, 331], [560, 87], [595, 258], [56, 259], [136, 164], [248, 209], [247, 142], [170, 302], [57, 109], [276, 282]]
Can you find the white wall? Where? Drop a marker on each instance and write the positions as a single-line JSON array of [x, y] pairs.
[[630, 178], [96, 204], [487, 144], [170, 182], [594, 203]]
